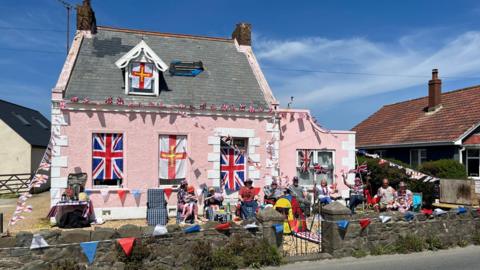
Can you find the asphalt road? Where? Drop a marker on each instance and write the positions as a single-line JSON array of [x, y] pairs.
[[458, 259]]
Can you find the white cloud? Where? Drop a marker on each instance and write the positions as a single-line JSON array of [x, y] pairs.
[[411, 56]]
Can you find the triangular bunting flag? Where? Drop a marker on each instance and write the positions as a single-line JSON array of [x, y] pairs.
[[223, 227], [251, 226], [168, 192], [104, 193], [256, 191], [478, 211], [461, 210], [122, 194], [90, 249], [127, 245], [38, 242], [439, 212], [88, 192], [409, 216], [136, 193], [342, 224], [192, 229], [384, 219], [278, 228], [160, 230], [427, 212], [364, 222]]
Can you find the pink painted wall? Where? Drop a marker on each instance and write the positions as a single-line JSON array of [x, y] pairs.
[[141, 143], [297, 133]]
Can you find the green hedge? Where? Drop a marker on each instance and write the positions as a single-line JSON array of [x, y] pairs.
[[444, 168]]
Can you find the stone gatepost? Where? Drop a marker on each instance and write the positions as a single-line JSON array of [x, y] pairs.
[[269, 217], [332, 238]]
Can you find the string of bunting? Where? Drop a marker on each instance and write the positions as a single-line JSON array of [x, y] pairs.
[[40, 177], [410, 172]]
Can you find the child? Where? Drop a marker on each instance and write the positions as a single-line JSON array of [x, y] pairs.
[[402, 205], [190, 204]]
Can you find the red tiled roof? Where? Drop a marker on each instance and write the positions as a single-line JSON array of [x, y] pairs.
[[408, 123]]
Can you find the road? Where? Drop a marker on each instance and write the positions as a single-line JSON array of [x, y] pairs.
[[458, 259]]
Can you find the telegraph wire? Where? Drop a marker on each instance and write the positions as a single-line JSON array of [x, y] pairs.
[[30, 29]]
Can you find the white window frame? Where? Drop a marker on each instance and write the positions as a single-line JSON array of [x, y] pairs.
[[316, 177], [418, 156], [128, 89], [467, 157]]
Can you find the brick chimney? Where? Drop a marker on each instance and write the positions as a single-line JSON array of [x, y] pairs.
[[434, 92], [86, 17], [243, 34]]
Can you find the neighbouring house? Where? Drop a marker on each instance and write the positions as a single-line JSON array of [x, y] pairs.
[[438, 126], [136, 110], [24, 136]]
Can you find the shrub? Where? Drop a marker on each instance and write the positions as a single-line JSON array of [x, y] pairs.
[[444, 168], [381, 250], [434, 243], [476, 238], [261, 253], [201, 255], [410, 243], [359, 253], [223, 258]]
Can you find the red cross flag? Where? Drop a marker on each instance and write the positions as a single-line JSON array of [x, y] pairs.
[[173, 157], [142, 75]]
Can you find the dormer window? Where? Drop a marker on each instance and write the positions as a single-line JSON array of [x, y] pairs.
[[142, 67]]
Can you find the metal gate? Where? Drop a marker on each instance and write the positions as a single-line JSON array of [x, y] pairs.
[[303, 241]]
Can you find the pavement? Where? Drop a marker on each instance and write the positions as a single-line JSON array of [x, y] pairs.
[[467, 258]]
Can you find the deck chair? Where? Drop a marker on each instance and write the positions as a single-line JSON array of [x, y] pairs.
[[417, 201]]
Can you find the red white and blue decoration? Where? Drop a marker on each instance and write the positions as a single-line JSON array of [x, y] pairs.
[[107, 156], [142, 76], [89, 249], [232, 168], [173, 157], [305, 158]]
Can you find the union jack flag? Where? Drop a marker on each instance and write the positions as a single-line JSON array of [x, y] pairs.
[[305, 158], [232, 168], [107, 156], [360, 169], [319, 169]]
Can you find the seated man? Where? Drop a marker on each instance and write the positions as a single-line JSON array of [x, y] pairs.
[[386, 193], [272, 193], [324, 192], [213, 202], [301, 195], [403, 198], [248, 204]]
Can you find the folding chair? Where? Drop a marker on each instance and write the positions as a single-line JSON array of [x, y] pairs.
[[417, 201]]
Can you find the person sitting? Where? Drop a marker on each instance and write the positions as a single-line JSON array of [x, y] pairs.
[[213, 202], [325, 192], [301, 195], [403, 198], [181, 195], [386, 193], [272, 193], [356, 192], [190, 205], [248, 203]]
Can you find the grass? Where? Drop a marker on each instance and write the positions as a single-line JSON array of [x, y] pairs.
[[359, 253], [9, 196]]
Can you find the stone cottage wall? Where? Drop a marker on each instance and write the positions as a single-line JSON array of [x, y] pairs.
[[450, 229]]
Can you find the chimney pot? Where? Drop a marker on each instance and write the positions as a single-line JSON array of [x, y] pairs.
[[434, 92], [243, 34], [86, 17]]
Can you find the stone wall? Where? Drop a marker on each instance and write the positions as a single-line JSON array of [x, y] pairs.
[[171, 251], [448, 230]]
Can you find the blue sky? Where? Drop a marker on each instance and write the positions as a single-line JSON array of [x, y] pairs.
[[341, 59]]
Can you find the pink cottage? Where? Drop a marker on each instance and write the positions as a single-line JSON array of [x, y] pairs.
[[136, 110]]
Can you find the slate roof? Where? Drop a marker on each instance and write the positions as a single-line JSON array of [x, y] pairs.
[[408, 123], [25, 122], [228, 77]]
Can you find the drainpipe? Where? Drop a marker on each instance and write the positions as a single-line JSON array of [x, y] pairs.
[[460, 155]]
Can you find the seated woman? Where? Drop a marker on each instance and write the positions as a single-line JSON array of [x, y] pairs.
[[190, 205], [403, 198], [325, 193], [272, 193], [356, 192], [248, 204], [213, 202]]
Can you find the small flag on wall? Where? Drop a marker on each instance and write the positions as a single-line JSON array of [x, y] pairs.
[[89, 249], [384, 219], [160, 230], [38, 242], [342, 224], [439, 212], [168, 192], [278, 228], [409, 216], [192, 229], [364, 222], [461, 210], [104, 193], [223, 227], [122, 194], [127, 245]]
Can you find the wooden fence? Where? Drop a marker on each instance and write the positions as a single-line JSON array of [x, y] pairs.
[[14, 183]]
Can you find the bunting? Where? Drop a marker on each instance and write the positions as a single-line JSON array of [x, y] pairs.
[[278, 228], [364, 223], [127, 245], [385, 219], [168, 192], [38, 242], [122, 194], [342, 224], [105, 194], [409, 216], [192, 229], [159, 230], [89, 249]]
